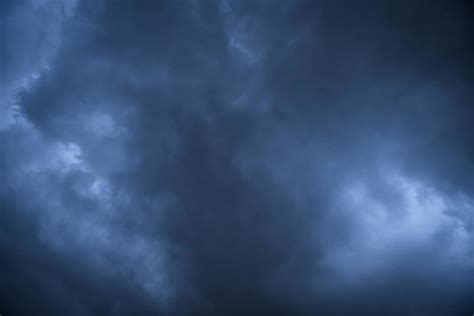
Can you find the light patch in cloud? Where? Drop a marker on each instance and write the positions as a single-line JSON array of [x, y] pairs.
[[242, 37], [100, 188], [384, 230], [67, 6], [67, 156], [102, 125]]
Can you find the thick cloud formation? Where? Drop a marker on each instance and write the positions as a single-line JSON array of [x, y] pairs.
[[236, 158]]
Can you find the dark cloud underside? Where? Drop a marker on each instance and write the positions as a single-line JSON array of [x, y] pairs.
[[236, 158]]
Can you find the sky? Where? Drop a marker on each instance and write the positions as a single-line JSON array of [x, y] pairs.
[[236, 157]]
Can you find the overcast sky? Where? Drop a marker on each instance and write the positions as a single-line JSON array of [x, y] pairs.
[[236, 157]]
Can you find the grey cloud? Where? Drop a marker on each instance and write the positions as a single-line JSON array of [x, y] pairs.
[[237, 157]]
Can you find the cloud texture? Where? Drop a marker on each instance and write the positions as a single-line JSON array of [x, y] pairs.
[[236, 158]]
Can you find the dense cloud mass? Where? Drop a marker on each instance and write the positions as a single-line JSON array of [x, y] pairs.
[[236, 157]]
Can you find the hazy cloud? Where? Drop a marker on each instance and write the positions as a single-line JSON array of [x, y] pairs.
[[236, 158]]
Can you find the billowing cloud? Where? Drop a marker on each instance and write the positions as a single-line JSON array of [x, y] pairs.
[[236, 158]]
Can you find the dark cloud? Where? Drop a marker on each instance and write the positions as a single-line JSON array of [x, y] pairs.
[[236, 158]]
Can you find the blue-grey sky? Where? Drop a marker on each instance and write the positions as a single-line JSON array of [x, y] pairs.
[[236, 157]]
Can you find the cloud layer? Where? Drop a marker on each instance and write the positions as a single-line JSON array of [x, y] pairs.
[[236, 158]]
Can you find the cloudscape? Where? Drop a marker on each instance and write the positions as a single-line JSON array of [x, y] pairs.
[[236, 157]]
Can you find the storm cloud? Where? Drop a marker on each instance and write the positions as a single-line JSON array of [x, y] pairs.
[[236, 157]]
